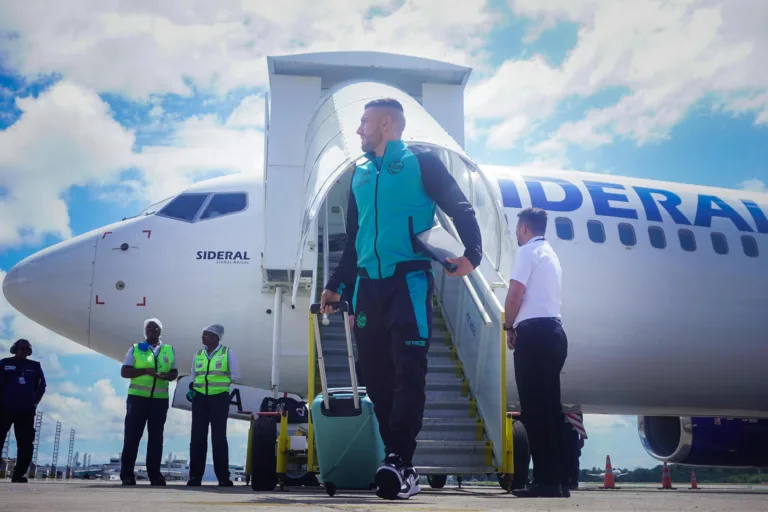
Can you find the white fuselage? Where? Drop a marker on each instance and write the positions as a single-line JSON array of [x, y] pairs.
[[651, 331]]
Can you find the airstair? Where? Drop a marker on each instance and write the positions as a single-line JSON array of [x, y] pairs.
[[315, 104]]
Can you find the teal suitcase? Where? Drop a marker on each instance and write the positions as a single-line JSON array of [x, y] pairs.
[[347, 439]]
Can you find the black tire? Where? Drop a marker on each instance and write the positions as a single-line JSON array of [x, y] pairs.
[[437, 481], [522, 460], [263, 454]]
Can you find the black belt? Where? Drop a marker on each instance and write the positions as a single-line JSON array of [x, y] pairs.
[[532, 321], [402, 268]]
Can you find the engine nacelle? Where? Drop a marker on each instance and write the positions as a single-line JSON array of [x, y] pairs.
[[726, 442]]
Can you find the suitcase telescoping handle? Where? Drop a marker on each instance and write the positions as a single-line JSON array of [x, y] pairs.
[[342, 307]]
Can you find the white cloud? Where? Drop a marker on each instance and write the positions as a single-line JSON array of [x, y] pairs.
[[603, 423], [64, 137], [201, 145], [754, 185], [666, 56], [220, 46]]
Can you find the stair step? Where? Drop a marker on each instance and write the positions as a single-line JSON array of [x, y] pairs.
[[448, 453], [450, 429], [451, 407], [455, 470]]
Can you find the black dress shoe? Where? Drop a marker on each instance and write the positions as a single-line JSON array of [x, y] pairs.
[[158, 482], [130, 481], [19, 479], [194, 483], [226, 483], [540, 491]]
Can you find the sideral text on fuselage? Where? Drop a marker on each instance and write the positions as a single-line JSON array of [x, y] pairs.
[[653, 200], [231, 257]]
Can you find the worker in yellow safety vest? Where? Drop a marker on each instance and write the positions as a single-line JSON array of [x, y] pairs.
[[214, 369], [150, 365]]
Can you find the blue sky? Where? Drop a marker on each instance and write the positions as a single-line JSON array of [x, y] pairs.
[[103, 112]]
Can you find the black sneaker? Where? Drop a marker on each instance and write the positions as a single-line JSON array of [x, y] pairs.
[[390, 477], [411, 485]]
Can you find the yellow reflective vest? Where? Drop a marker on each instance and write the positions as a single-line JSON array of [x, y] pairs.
[[145, 385], [212, 376]]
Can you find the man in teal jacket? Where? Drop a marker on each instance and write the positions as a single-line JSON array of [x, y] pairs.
[[394, 195]]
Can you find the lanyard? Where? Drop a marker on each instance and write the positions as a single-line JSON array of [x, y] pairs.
[[537, 239]]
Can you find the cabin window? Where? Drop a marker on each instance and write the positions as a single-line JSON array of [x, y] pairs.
[[596, 231], [719, 243], [658, 239], [687, 240], [184, 207], [564, 228], [225, 204], [627, 234], [750, 246]]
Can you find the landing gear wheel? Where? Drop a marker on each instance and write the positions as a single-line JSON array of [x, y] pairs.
[[301, 479], [263, 454], [437, 481], [522, 460], [330, 489]]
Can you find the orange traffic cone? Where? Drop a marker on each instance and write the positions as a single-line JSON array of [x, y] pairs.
[[608, 481], [693, 480], [666, 480]]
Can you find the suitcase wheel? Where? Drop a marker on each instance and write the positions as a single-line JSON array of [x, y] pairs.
[[330, 489]]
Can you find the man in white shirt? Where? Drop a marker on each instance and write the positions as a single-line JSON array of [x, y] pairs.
[[541, 347]]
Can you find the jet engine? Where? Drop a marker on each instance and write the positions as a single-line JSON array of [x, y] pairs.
[[725, 442]]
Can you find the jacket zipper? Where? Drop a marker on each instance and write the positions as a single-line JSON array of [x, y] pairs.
[[376, 210]]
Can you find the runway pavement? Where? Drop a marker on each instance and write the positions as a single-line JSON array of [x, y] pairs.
[[105, 496]]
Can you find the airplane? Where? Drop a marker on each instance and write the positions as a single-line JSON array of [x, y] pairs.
[[665, 285], [616, 473]]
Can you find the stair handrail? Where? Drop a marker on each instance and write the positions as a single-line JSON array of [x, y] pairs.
[[446, 222]]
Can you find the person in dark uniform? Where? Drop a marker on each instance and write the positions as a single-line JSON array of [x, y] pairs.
[[214, 369], [150, 366], [536, 335], [394, 195], [22, 386], [575, 434]]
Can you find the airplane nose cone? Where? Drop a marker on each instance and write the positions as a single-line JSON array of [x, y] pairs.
[[53, 287]]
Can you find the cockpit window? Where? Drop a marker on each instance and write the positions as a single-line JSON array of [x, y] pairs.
[[224, 204], [184, 207], [154, 208]]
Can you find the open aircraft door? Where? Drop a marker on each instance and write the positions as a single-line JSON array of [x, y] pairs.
[[332, 145]]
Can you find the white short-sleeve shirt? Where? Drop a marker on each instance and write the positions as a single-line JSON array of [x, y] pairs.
[[538, 268], [129, 359]]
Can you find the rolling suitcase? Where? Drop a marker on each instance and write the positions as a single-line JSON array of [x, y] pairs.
[[347, 440]]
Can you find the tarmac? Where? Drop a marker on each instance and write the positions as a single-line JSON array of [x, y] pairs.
[[108, 496]]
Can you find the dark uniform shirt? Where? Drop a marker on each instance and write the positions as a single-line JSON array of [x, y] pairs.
[[22, 384]]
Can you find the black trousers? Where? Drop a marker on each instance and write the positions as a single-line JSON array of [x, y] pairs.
[[210, 410], [24, 429], [141, 412], [541, 348], [393, 327], [572, 452]]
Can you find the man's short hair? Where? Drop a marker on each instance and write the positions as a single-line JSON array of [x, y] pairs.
[[385, 103], [535, 219]]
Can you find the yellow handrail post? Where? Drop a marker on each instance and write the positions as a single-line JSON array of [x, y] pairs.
[[249, 451], [311, 396], [505, 442], [283, 445]]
